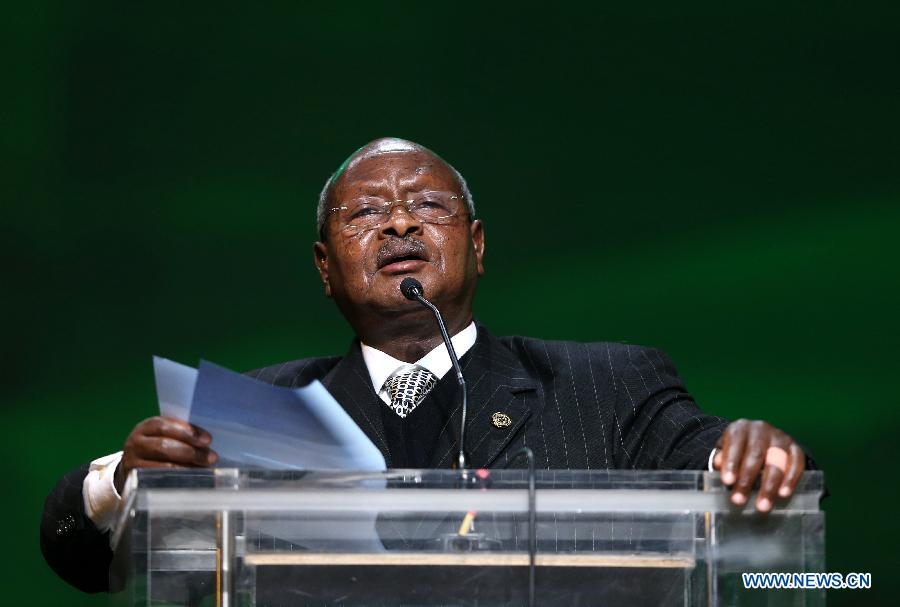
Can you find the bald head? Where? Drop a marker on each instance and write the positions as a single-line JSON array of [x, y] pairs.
[[385, 146]]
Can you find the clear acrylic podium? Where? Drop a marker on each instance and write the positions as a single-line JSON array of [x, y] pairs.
[[233, 538]]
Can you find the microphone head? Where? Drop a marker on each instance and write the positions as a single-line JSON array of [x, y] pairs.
[[410, 287]]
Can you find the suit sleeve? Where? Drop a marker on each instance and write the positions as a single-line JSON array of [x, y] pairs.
[[70, 542], [664, 428]]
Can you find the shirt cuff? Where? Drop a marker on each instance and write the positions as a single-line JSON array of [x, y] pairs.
[[101, 500], [712, 456]]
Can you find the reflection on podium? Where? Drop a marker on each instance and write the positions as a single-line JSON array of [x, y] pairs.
[[233, 538]]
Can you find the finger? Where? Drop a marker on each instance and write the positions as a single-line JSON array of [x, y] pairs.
[[177, 428], [201, 436], [756, 444], [795, 468], [166, 426], [772, 475], [149, 463], [733, 446], [717, 460], [165, 449], [152, 463]]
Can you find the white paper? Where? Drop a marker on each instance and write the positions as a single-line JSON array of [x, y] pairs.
[[174, 387], [258, 425]]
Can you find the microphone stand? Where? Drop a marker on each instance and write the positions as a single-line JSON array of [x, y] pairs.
[[412, 289]]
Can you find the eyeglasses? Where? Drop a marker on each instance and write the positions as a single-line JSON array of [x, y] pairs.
[[369, 213]]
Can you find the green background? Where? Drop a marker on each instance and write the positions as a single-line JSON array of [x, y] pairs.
[[720, 181]]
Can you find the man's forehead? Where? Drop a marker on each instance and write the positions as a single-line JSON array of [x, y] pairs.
[[405, 164]]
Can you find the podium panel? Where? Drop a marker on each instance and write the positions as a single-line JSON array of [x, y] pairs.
[[251, 538]]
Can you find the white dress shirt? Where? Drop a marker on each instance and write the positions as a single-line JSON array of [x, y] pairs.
[[101, 500], [381, 366]]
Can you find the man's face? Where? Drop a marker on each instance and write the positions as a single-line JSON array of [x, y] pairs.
[[362, 270]]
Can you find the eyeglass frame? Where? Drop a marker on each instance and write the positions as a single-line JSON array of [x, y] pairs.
[[390, 204]]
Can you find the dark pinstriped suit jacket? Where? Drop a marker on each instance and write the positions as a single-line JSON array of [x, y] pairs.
[[577, 406]]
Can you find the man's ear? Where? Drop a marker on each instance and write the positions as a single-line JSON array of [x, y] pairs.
[[477, 232], [320, 258]]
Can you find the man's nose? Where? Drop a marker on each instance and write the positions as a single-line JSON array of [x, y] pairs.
[[400, 222]]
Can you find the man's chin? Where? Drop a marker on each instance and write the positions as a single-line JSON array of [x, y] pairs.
[[400, 307], [391, 300], [384, 287]]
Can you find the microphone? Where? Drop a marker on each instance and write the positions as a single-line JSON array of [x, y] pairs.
[[412, 290]]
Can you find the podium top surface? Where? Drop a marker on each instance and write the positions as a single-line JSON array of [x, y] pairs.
[[433, 490], [259, 479]]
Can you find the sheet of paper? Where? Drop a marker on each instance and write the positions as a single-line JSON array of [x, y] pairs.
[[174, 387], [254, 424]]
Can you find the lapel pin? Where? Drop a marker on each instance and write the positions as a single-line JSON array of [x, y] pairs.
[[501, 420]]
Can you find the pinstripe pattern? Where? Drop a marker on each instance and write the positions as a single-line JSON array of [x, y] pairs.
[[577, 405]]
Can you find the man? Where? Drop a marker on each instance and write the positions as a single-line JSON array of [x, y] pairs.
[[395, 209]]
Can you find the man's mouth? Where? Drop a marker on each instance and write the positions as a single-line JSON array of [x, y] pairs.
[[403, 266], [402, 256]]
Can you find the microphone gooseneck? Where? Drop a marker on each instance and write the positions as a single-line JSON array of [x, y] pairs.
[[412, 290]]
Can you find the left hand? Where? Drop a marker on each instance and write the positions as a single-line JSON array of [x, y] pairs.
[[744, 453]]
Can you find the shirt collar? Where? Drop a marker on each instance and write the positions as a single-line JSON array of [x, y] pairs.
[[381, 365]]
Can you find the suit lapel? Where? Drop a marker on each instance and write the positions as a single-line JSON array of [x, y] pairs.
[[351, 386], [498, 384]]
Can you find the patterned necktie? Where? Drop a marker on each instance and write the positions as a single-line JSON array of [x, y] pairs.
[[407, 387]]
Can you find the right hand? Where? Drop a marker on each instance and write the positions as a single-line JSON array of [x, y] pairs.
[[165, 442]]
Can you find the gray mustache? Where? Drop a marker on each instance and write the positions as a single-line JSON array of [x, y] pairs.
[[397, 247]]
